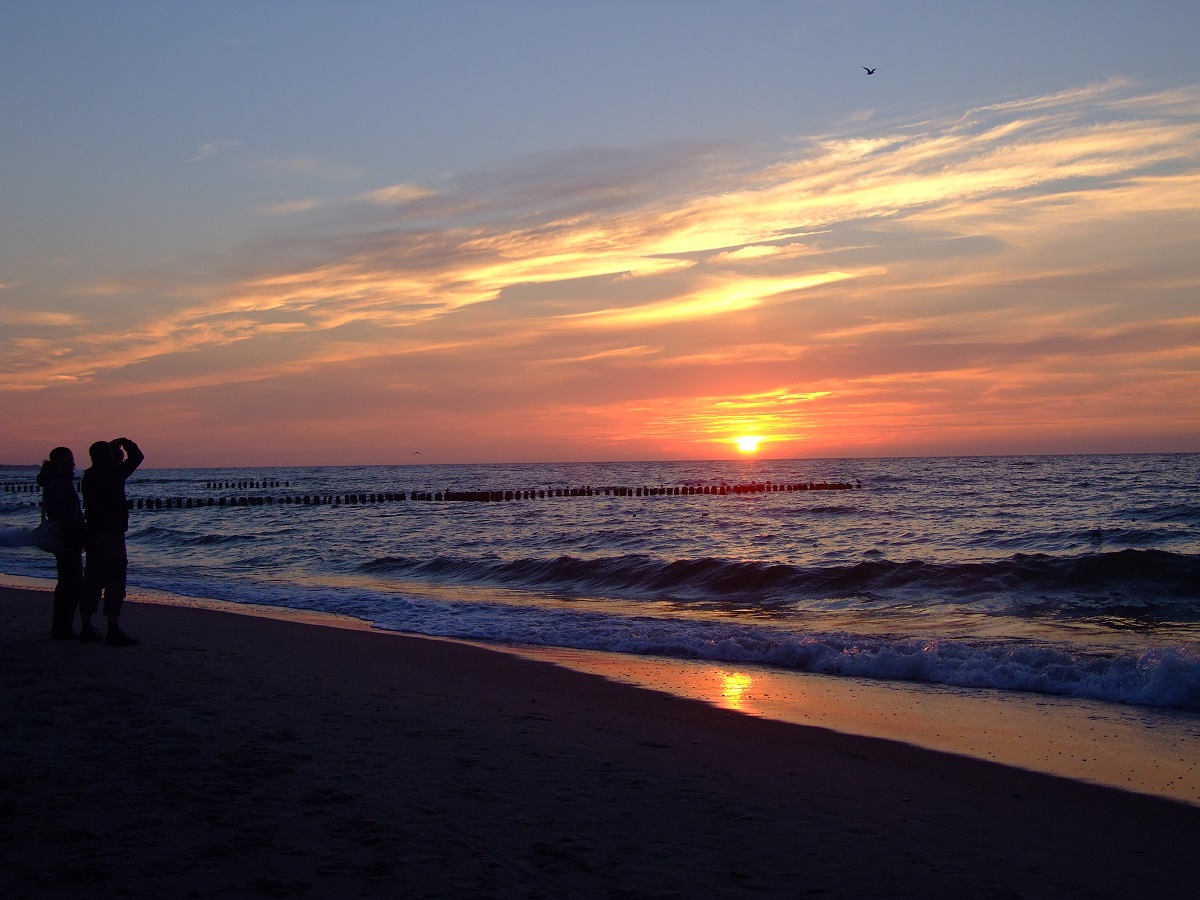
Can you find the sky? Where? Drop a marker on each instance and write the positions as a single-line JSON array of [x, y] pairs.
[[324, 233]]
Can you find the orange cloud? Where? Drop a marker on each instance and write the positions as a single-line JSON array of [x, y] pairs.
[[1013, 270]]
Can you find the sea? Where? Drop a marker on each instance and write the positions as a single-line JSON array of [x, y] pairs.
[[1069, 582]]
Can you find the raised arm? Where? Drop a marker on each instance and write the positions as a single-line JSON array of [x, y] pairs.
[[133, 456]]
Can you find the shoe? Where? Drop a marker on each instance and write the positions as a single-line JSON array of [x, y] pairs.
[[117, 638], [63, 635], [90, 636]]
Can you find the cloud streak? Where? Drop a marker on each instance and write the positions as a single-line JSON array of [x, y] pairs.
[[872, 292], [213, 148]]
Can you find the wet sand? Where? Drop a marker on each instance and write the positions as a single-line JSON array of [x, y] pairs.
[[1135, 748], [236, 756]]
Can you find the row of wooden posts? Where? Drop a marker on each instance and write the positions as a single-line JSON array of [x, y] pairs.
[[21, 487], [377, 497], [484, 496], [28, 487]]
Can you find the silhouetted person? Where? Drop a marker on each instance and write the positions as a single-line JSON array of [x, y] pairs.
[[61, 505], [107, 516]]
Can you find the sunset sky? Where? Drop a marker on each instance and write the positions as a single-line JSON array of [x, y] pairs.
[[275, 233]]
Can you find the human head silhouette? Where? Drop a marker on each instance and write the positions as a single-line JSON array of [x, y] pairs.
[[62, 458], [101, 453]]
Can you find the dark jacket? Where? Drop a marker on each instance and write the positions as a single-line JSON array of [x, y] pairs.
[[104, 494], [61, 504]]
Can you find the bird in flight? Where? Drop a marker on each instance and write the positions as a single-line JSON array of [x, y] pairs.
[[869, 71]]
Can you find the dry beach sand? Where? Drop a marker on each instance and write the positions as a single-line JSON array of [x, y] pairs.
[[235, 756]]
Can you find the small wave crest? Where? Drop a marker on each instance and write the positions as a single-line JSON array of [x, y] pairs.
[[165, 535], [15, 536], [1159, 677], [1148, 584]]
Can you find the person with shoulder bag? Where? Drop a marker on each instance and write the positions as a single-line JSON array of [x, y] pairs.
[[62, 533]]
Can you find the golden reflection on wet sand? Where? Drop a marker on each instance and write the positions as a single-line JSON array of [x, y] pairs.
[[733, 688], [1151, 752]]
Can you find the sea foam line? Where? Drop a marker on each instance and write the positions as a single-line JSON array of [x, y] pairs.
[[1158, 677]]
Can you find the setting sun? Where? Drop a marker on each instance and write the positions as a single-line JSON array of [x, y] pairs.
[[747, 444]]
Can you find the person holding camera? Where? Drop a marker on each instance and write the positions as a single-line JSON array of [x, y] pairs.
[[107, 515]]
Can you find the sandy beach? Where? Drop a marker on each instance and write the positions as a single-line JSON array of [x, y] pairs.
[[236, 756]]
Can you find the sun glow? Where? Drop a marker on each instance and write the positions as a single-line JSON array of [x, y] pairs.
[[747, 444]]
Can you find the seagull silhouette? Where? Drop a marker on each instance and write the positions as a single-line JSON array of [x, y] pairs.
[[869, 71]]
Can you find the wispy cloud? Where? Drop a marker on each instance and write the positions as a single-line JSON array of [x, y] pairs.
[[212, 148], [397, 194], [948, 275]]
